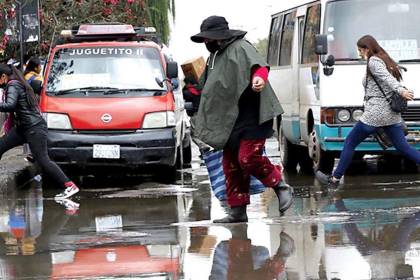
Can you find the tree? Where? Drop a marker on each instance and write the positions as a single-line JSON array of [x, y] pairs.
[[56, 15], [261, 45]]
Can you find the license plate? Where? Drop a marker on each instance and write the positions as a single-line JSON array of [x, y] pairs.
[[108, 223], [106, 151]]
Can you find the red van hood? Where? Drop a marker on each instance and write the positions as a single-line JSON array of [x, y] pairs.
[[105, 113]]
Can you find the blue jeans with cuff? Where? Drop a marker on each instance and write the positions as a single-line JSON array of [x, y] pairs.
[[361, 131]]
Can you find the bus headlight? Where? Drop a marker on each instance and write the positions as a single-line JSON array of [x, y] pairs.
[[357, 114], [57, 121], [159, 120], [343, 115]]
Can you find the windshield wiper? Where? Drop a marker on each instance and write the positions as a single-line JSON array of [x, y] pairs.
[[126, 90], [409, 60], [348, 59], [82, 89]]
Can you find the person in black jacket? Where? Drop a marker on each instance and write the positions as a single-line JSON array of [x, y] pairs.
[[29, 126]]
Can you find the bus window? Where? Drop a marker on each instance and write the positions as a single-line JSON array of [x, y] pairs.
[[274, 45], [287, 39], [393, 23], [312, 27]]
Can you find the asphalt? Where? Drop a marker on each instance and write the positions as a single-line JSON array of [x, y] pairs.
[[15, 170]]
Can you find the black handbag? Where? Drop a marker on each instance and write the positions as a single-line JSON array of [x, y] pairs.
[[396, 101]]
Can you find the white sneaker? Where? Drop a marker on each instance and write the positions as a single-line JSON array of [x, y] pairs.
[[68, 191], [71, 206]]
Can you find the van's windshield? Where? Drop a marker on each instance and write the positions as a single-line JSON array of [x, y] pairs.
[[394, 23], [105, 70]]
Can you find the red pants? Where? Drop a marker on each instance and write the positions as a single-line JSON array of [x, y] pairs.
[[238, 167]]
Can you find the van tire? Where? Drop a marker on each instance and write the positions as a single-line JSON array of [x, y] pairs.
[[305, 162], [187, 153], [289, 153], [322, 160]]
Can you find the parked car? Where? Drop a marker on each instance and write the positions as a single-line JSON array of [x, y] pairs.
[[108, 99]]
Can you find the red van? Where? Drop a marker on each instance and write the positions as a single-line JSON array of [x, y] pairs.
[[108, 99]]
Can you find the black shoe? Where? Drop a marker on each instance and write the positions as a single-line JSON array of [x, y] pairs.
[[284, 194], [326, 180], [236, 215]]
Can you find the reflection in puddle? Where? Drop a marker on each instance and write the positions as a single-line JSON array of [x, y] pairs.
[[158, 231]]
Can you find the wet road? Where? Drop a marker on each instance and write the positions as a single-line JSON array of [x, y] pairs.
[[137, 228]]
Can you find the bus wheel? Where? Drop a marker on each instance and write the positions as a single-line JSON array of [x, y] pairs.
[[288, 152], [305, 162], [322, 160]]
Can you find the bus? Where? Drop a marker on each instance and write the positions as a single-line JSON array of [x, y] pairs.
[[317, 74]]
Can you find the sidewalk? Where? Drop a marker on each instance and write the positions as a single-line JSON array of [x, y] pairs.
[[14, 170]]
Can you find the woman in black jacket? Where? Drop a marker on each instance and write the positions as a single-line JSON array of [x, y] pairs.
[[29, 126]]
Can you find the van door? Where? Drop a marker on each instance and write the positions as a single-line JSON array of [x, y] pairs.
[[287, 75], [308, 68]]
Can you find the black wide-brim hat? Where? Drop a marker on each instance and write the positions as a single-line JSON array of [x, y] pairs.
[[216, 28]]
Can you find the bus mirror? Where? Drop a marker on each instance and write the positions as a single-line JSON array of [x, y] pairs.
[[172, 69], [321, 47]]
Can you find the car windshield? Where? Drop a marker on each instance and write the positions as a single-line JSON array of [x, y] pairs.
[[394, 23], [97, 68]]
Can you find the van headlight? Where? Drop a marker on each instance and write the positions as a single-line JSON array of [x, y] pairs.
[[159, 120], [57, 121], [357, 114], [343, 115]]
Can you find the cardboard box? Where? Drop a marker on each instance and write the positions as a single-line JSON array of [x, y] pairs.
[[194, 68]]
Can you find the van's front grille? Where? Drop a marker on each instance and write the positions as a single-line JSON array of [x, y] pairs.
[[101, 132], [412, 114]]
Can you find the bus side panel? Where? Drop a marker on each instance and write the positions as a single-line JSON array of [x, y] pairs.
[[281, 79]]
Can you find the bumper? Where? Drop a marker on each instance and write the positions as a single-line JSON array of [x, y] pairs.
[[332, 139], [144, 147]]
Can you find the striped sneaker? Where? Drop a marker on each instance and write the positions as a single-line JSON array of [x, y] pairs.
[[70, 189]]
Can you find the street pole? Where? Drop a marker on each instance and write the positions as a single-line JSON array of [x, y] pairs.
[[22, 45]]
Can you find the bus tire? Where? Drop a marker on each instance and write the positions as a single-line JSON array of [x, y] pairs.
[[305, 161], [322, 160], [289, 152]]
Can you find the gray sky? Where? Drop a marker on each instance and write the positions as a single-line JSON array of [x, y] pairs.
[[253, 16]]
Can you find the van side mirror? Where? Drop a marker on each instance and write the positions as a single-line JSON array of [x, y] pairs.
[[328, 63], [321, 44], [171, 70]]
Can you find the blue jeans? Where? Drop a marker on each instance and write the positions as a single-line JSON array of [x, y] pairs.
[[361, 131]]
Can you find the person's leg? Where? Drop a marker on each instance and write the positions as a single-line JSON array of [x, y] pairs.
[[237, 185], [10, 140], [36, 137], [396, 134], [356, 136], [252, 162], [237, 191]]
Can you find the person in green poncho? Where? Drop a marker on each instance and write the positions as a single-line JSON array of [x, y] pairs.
[[236, 113]]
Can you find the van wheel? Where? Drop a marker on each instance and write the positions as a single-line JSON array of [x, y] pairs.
[[187, 153], [305, 161], [288, 152], [322, 160]]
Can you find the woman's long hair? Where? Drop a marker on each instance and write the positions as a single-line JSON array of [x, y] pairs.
[[13, 73], [33, 63], [374, 49]]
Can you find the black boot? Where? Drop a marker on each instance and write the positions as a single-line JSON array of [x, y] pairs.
[[284, 194], [287, 246], [236, 215]]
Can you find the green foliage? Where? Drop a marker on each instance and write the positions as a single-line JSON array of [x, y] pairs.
[[262, 47], [56, 15]]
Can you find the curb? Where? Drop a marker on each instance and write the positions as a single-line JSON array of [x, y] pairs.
[[15, 171]]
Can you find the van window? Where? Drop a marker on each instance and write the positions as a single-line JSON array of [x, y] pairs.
[[105, 67], [312, 26], [287, 39], [395, 24], [274, 44]]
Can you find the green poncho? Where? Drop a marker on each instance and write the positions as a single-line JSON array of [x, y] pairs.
[[228, 75]]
